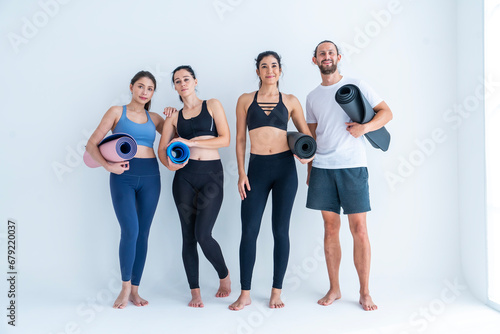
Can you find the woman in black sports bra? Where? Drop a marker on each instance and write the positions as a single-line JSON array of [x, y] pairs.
[[272, 167], [198, 184]]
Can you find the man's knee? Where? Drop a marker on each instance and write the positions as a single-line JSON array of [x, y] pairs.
[[332, 224], [358, 229]]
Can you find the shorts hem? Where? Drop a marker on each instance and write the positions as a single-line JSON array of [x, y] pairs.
[[357, 211], [312, 207]]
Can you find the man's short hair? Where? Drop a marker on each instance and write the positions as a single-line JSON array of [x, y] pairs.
[[325, 41]]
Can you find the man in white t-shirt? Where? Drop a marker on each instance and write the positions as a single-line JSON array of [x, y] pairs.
[[338, 176]]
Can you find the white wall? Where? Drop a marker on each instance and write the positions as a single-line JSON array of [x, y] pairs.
[[58, 85], [471, 135]]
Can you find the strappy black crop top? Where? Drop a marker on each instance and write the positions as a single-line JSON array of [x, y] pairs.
[[201, 125], [256, 116]]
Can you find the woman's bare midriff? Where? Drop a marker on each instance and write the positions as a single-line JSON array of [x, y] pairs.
[[144, 152], [268, 140], [198, 153]]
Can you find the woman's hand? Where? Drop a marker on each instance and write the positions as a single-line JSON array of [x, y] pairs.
[[173, 166], [168, 111], [304, 161], [242, 182], [117, 167]]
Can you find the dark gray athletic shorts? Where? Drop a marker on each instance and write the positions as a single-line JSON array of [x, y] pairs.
[[330, 189]]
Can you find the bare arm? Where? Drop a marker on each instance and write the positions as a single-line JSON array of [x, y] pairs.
[[299, 121], [312, 128], [168, 132], [107, 123], [241, 142], [383, 115]]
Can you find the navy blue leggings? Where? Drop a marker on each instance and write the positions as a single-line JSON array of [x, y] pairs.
[[198, 193], [135, 194], [274, 172]]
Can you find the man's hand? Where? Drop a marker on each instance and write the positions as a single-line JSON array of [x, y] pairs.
[[356, 129]]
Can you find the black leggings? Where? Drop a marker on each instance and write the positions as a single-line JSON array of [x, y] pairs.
[[274, 172], [198, 193]]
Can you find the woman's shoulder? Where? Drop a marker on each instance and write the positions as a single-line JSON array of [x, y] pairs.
[[114, 111], [246, 97], [289, 97], [155, 117], [213, 103]]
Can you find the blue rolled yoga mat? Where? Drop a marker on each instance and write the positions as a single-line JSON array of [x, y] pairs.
[[178, 152], [301, 145], [356, 106]]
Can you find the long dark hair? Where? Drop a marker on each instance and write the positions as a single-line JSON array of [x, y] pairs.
[[140, 75], [261, 56], [183, 67]]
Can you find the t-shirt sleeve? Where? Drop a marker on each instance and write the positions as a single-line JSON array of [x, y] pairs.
[[371, 96], [310, 118]]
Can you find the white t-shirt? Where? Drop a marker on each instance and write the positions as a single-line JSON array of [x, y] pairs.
[[337, 148]]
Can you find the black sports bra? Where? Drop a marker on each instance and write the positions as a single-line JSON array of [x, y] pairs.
[[201, 125], [256, 116]]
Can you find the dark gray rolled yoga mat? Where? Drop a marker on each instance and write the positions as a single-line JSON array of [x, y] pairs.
[[301, 145], [356, 106]]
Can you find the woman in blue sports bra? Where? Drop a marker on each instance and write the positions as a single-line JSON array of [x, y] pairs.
[[135, 188], [272, 167], [198, 184]]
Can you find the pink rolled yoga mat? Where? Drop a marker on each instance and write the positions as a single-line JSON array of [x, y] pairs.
[[115, 148]]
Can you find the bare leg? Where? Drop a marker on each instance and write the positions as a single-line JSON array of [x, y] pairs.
[[135, 298], [196, 298], [124, 295], [275, 301], [362, 257], [242, 301], [224, 287], [333, 254]]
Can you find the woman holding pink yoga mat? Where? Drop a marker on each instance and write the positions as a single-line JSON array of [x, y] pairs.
[[135, 184]]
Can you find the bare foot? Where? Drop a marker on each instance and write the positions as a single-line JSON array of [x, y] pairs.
[[135, 298], [367, 303], [330, 297], [124, 295], [224, 288], [196, 298], [275, 301], [243, 300]]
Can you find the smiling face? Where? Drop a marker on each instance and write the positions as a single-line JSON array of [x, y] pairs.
[[326, 58], [184, 83], [269, 70], [142, 90]]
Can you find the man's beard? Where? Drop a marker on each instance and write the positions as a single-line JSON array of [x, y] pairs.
[[328, 69]]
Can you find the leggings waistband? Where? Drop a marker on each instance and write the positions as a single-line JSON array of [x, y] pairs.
[[143, 167], [202, 166], [271, 157]]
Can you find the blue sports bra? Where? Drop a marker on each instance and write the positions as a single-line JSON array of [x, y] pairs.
[[201, 125], [256, 116], [144, 134]]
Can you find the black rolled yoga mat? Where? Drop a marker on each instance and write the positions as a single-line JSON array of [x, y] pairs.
[[301, 145], [359, 110]]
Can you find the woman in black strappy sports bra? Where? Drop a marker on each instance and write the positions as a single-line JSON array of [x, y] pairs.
[[198, 184], [272, 167]]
